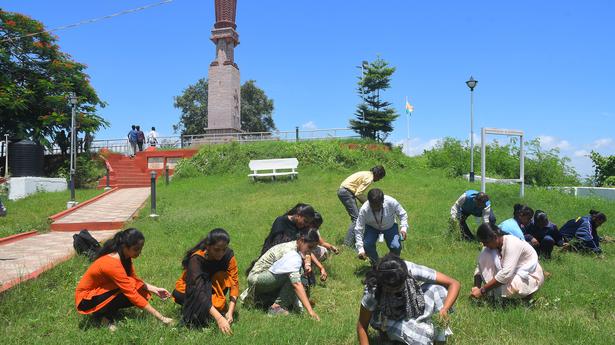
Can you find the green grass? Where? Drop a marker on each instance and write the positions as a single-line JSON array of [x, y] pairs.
[[32, 212], [576, 305]]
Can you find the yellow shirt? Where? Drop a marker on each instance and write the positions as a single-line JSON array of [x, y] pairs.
[[358, 182]]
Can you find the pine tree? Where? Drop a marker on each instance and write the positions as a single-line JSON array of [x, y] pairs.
[[374, 117]]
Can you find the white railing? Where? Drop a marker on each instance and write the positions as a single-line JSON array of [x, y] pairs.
[[246, 137]]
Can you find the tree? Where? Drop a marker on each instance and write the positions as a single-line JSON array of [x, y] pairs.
[[374, 116], [604, 167], [35, 81], [256, 109]]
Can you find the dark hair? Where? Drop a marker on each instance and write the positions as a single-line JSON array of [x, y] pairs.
[[125, 238], [134, 127], [303, 210], [317, 220], [597, 215], [153, 128], [138, 128], [488, 232], [311, 236], [375, 197], [214, 236], [481, 197], [390, 270], [522, 210], [378, 171], [540, 216]]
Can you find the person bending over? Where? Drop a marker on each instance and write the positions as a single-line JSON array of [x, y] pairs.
[[582, 233], [111, 282], [400, 298], [471, 203], [210, 271], [351, 190], [522, 217], [377, 216], [543, 235], [275, 279], [507, 266], [287, 227]]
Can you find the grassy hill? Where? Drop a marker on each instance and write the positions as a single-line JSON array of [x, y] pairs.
[[576, 304]]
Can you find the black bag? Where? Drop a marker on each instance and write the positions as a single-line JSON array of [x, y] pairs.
[[85, 244]]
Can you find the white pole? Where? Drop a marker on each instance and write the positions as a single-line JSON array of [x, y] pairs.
[[522, 168], [6, 156], [482, 160]]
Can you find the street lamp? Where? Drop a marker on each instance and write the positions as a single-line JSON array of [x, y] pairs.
[[472, 84], [73, 148]]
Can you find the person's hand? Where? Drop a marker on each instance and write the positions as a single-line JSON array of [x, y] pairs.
[[224, 325], [308, 268], [167, 321], [335, 250], [162, 293], [362, 256], [323, 275], [443, 318], [314, 316], [476, 292], [229, 317], [534, 242], [403, 235]]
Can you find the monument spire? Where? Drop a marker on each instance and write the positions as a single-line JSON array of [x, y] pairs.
[[224, 92]]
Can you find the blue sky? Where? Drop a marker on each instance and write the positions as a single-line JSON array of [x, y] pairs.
[[545, 67]]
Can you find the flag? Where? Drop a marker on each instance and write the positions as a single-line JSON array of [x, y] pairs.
[[409, 108]]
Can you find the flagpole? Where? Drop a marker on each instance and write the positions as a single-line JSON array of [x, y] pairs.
[[408, 114]]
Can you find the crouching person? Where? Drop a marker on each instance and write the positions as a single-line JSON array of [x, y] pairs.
[[111, 282], [507, 266], [400, 299], [275, 279], [210, 272]]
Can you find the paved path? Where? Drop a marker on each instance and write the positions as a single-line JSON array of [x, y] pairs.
[[27, 258]]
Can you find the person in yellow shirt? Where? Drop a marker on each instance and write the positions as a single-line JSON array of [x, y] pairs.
[[351, 190]]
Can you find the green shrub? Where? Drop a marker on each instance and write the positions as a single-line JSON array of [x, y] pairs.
[[325, 154], [90, 169]]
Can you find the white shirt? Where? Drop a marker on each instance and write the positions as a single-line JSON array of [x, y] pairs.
[[290, 262], [152, 137], [382, 220]]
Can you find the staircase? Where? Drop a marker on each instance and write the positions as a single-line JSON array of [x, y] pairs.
[[125, 172]]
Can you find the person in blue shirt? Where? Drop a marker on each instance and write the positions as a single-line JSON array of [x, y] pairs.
[[543, 235], [584, 232], [471, 203], [132, 140], [522, 216]]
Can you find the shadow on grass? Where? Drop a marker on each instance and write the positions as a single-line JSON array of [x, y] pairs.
[[362, 270]]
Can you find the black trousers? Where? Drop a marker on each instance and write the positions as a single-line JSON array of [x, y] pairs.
[[118, 302]]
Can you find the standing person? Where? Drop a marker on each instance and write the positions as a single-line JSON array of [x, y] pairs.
[[543, 235], [210, 271], [400, 300], [140, 138], [287, 227], [507, 266], [152, 137], [471, 203], [111, 282], [522, 217], [377, 216], [351, 190], [2, 209], [585, 231], [275, 279], [132, 139]]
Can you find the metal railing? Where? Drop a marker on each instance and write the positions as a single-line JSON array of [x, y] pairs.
[[246, 137]]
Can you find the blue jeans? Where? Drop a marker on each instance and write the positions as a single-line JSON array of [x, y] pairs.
[[391, 237]]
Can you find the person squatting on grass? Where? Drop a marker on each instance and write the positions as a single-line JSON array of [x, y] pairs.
[[351, 190], [111, 282], [522, 217], [507, 266], [543, 235], [471, 203], [210, 271], [582, 233], [400, 298], [377, 216], [289, 226], [275, 279]]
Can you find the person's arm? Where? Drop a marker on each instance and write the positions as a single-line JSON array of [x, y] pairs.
[[452, 287], [363, 326], [300, 292], [223, 324], [403, 219], [323, 272], [160, 292], [233, 273], [487, 214], [166, 320], [456, 208], [358, 231]]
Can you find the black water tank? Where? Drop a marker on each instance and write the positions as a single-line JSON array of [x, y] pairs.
[[25, 159]]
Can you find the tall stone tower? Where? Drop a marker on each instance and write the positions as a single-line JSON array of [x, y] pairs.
[[224, 92]]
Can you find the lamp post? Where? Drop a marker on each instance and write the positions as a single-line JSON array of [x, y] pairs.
[[472, 84], [73, 147]]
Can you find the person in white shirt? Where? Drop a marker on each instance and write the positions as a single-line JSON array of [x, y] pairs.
[[152, 137], [377, 216]]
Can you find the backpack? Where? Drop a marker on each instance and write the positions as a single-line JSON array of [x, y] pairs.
[[85, 244]]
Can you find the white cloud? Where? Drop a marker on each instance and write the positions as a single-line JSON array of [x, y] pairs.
[[548, 142], [310, 125], [416, 146], [603, 143], [580, 153]]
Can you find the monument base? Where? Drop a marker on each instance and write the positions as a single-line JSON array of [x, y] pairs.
[[21, 187]]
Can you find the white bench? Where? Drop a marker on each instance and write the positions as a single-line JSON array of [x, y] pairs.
[[273, 167]]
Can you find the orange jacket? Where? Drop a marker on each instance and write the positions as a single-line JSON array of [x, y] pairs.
[[106, 274]]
